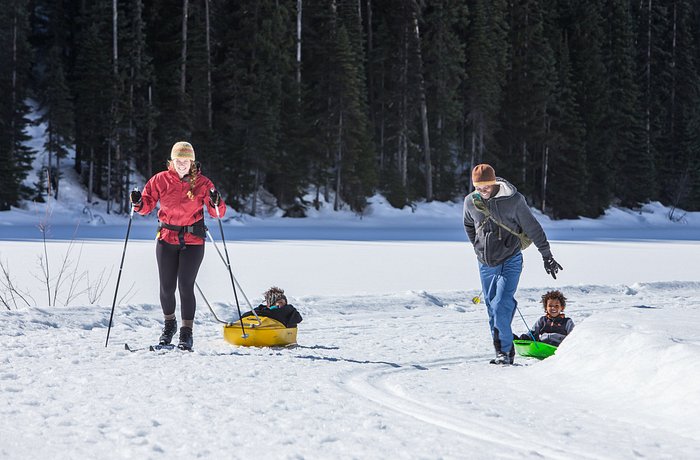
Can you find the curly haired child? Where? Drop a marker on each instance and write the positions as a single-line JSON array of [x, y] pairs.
[[554, 326], [276, 307]]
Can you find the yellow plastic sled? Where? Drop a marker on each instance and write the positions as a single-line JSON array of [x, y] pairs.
[[265, 332]]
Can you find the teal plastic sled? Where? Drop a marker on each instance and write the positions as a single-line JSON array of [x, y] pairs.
[[530, 349]]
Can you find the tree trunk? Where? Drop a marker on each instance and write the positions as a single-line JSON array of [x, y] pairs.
[[14, 82], [149, 135], [482, 144], [338, 162], [49, 152], [298, 69], [403, 130], [183, 55], [256, 185], [122, 171], [545, 170], [114, 142], [382, 124], [672, 102], [648, 75], [210, 116], [423, 112], [115, 58], [58, 175], [524, 160], [109, 177], [472, 156], [370, 49], [91, 174], [127, 185]]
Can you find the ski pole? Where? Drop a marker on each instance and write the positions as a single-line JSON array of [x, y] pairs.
[[119, 276], [528, 327], [228, 265]]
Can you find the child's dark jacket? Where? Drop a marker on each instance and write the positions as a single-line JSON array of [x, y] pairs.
[[552, 330], [287, 315]]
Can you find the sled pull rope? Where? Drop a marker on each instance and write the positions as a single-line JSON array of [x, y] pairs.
[[228, 265], [234, 278], [528, 328], [209, 305]]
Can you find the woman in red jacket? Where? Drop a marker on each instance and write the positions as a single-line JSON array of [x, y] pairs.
[[182, 191]]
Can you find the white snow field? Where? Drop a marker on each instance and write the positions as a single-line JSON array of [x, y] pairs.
[[392, 360]]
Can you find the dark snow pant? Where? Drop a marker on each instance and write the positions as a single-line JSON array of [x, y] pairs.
[[499, 284], [177, 268]]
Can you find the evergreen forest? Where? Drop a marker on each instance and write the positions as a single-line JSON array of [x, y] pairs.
[[581, 105]]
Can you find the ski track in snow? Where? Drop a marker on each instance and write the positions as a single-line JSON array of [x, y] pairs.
[[491, 435], [481, 430]]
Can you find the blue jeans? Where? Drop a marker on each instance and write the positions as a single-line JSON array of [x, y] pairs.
[[499, 284]]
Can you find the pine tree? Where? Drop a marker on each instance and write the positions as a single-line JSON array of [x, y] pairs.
[[289, 176], [486, 57], [582, 22], [137, 74], [58, 116], [415, 91], [164, 25], [688, 194], [50, 25], [655, 78], [265, 91], [632, 167], [444, 75], [15, 156], [401, 132], [669, 74], [354, 167], [340, 148], [228, 70], [679, 168], [318, 70], [93, 87], [249, 78], [565, 180], [528, 98]]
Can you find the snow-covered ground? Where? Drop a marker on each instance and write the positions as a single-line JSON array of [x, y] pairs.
[[392, 360]]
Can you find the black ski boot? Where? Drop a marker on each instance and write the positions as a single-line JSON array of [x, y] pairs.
[[511, 354], [185, 338], [501, 358], [169, 330]]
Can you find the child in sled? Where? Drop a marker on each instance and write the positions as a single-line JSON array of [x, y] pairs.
[[277, 308], [553, 327]]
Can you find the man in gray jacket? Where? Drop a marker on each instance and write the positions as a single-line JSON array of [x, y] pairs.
[[499, 224]]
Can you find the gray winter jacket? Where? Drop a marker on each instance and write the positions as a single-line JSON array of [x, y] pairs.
[[493, 245]]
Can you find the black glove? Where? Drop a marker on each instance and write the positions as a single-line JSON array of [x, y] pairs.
[[214, 197], [135, 197], [551, 266]]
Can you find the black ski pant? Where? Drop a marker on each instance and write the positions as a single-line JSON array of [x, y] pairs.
[[177, 268]]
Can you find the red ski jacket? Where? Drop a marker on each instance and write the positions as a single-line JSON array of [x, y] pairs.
[[176, 207]]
